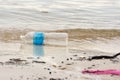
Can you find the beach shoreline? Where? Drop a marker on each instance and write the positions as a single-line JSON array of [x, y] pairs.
[[73, 33], [59, 63]]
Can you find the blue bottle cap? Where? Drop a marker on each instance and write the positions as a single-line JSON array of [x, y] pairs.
[[38, 38]]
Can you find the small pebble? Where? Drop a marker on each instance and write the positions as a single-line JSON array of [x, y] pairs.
[[48, 68], [67, 59], [63, 68], [54, 66], [70, 58], [40, 79], [59, 66], [93, 65], [52, 79], [50, 72], [62, 61]]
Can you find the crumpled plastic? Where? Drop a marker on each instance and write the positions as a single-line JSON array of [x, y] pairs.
[[98, 72]]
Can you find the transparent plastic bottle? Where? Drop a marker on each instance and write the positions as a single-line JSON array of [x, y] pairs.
[[43, 38]]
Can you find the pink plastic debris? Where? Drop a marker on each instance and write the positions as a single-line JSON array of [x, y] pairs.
[[114, 72]]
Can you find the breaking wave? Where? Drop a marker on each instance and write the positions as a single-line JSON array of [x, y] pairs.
[[84, 39]]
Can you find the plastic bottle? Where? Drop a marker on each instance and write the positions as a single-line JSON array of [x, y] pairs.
[[42, 38]]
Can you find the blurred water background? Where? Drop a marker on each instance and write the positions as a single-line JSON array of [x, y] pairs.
[[60, 14]]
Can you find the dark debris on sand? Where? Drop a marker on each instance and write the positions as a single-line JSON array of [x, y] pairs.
[[35, 61], [56, 79], [16, 61]]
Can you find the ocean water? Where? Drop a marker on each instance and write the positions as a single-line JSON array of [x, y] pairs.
[[18, 17], [100, 45], [60, 14]]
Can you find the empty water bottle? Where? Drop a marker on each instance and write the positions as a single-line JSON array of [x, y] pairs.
[[42, 38]]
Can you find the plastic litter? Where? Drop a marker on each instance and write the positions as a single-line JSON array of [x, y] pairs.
[[42, 38], [113, 72]]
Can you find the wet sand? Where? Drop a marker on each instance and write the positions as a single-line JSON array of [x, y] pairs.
[[58, 63], [57, 67]]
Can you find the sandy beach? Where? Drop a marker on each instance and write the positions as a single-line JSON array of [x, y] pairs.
[[20, 61], [93, 50]]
